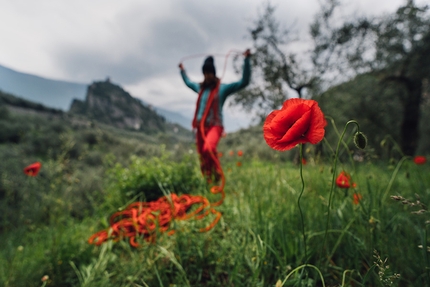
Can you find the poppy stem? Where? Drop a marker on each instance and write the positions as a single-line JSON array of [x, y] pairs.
[[334, 180], [298, 203], [393, 176]]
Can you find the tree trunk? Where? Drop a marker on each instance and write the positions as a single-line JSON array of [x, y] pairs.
[[409, 131]]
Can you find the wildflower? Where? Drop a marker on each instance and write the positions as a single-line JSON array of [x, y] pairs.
[[32, 169], [304, 161], [356, 198], [239, 163], [231, 153], [45, 278], [240, 153], [344, 180], [419, 159], [220, 154], [298, 121]]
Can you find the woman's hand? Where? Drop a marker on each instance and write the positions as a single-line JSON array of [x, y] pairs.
[[181, 67], [247, 53]]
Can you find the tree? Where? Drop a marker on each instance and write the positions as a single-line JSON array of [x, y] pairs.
[[277, 70], [393, 47]]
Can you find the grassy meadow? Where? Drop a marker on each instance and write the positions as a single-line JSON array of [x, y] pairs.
[[90, 172]]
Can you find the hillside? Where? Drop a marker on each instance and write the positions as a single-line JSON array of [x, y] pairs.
[[376, 106], [52, 93], [153, 126], [18, 103]]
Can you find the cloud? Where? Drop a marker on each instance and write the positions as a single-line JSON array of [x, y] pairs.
[[130, 49], [138, 43]]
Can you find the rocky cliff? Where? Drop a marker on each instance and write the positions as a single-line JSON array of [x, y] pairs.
[[110, 104]]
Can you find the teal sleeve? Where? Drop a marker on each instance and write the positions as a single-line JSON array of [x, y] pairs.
[[192, 85], [229, 89]]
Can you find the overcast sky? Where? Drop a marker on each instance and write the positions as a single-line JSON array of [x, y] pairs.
[[139, 43]]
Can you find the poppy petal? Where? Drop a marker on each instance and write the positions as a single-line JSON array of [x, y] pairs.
[[32, 169], [298, 121]]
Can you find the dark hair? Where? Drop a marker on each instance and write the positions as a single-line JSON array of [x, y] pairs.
[[208, 66], [209, 84]]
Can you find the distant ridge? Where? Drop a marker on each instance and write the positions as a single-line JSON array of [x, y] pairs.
[[172, 117], [60, 94], [52, 93], [19, 103]]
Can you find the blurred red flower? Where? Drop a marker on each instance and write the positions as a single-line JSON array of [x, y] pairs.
[[357, 198], [220, 154], [419, 159], [240, 153], [344, 180], [298, 121], [304, 161], [32, 169], [239, 163], [231, 153]]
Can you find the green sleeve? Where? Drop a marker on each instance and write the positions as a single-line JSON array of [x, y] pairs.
[[229, 89], [192, 85]]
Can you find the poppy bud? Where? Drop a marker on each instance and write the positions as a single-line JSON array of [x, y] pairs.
[[360, 140]]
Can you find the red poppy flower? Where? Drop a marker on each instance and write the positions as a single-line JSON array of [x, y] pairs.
[[419, 159], [33, 169], [240, 153], [231, 153], [344, 180], [298, 121], [357, 198], [304, 161], [220, 154], [239, 163]]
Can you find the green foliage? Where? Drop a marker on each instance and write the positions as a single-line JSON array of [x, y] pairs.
[[383, 60], [256, 243], [150, 178], [374, 106], [4, 112], [72, 157], [251, 142], [377, 107], [46, 220], [394, 47], [277, 68]]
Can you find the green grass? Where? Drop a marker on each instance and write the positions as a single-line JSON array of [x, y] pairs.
[[90, 172], [257, 242]]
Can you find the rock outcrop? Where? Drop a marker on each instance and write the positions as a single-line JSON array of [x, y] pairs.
[[110, 104]]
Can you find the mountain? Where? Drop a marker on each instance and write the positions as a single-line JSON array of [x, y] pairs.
[[51, 93], [110, 104], [60, 94], [17, 103], [173, 117]]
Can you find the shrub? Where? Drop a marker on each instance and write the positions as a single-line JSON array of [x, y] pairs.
[[152, 178]]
